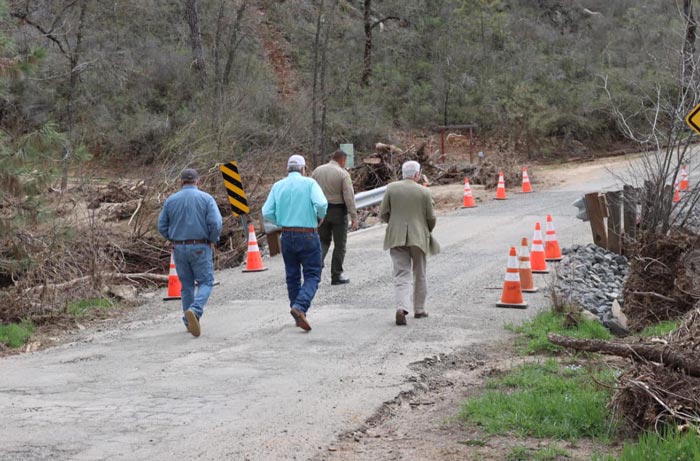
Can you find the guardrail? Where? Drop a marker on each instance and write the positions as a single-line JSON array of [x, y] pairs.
[[362, 200]]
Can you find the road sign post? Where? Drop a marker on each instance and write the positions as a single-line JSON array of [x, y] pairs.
[[693, 119]]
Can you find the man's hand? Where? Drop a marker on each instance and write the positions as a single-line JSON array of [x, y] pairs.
[[354, 225], [320, 221]]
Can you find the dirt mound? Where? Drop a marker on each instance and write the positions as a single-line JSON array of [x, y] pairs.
[[664, 279], [651, 393]]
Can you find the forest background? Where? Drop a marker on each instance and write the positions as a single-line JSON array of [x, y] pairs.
[[141, 88]]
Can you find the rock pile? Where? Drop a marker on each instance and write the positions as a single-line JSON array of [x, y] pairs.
[[592, 278]]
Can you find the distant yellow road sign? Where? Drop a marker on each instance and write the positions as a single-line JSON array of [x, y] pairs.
[[693, 119], [234, 188]]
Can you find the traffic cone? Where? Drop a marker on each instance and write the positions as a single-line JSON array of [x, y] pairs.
[[512, 295], [254, 260], [676, 194], [501, 191], [468, 198], [552, 252], [526, 182], [524, 268], [683, 185], [537, 257], [174, 286]]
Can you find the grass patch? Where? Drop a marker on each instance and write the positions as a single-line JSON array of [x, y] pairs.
[[545, 400], [659, 329], [550, 453], [536, 329], [85, 307], [670, 446], [16, 334]]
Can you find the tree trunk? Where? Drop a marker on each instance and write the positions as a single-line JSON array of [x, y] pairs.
[[314, 87], [233, 42], [367, 61], [665, 355], [688, 63], [74, 59], [195, 38]]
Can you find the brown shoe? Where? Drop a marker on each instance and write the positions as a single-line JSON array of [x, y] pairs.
[[192, 323], [420, 315], [401, 317], [300, 319]]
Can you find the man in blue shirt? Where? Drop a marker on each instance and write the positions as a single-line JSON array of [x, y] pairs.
[[297, 204], [191, 220]]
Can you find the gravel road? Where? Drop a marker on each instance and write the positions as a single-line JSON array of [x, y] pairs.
[[254, 386]]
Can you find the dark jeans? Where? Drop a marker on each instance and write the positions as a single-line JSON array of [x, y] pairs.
[[301, 252], [335, 227]]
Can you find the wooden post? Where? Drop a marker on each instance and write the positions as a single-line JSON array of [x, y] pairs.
[[273, 243], [614, 200], [629, 211], [596, 215], [442, 145]]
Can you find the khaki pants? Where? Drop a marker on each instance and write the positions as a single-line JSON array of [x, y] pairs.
[[409, 260]]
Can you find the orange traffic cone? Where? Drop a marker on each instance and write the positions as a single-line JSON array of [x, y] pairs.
[[537, 257], [552, 252], [524, 268], [512, 295], [174, 286], [468, 198], [254, 262], [526, 182], [676, 194], [683, 185], [501, 191]]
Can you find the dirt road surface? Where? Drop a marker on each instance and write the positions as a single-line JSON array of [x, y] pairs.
[[254, 386]]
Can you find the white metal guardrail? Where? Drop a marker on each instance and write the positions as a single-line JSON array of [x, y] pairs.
[[362, 200]]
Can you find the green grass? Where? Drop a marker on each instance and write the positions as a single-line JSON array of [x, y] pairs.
[[545, 400], [536, 329], [550, 453], [16, 334], [659, 329], [671, 446], [86, 306]]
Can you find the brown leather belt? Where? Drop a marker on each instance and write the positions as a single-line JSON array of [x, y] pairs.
[[189, 242], [299, 229]]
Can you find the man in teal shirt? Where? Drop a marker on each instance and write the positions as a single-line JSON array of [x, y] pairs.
[[297, 204]]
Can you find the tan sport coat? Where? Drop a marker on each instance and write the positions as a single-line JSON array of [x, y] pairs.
[[408, 208]]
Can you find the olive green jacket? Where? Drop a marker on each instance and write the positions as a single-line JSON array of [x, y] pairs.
[[408, 208]]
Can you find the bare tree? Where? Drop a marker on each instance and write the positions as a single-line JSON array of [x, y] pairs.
[[369, 25], [192, 16]]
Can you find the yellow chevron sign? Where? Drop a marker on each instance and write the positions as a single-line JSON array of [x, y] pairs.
[[234, 188], [693, 119]]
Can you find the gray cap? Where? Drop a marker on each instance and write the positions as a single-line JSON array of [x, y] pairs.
[[189, 175], [296, 160]]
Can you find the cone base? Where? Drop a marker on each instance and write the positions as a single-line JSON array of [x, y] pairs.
[[553, 259], [254, 270], [515, 306], [500, 198], [525, 192], [172, 298], [540, 272], [530, 290], [470, 206]]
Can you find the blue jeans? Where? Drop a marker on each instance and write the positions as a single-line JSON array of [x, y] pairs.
[[302, 253], [194, 262]]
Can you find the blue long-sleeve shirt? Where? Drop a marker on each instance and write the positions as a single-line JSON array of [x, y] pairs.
[[190, 214], [295, 201]]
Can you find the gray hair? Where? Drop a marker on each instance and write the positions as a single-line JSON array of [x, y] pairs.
[[297, 168], [409, 169]]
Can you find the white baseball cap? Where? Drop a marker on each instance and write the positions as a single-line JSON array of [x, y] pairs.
[[296, 160]]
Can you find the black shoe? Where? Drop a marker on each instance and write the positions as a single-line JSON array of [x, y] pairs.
[[420, 315], [340, 281], [401, 317]]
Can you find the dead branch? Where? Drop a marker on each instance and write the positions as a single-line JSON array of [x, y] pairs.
[[638, 352], [103, 276]]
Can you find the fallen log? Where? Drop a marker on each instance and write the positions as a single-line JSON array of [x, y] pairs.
[[665, 355], [104, 276]]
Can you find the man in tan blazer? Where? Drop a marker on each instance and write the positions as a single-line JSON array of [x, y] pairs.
[[408, 208]]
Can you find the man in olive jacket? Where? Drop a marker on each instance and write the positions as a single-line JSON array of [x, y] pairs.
[[408, 208]]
